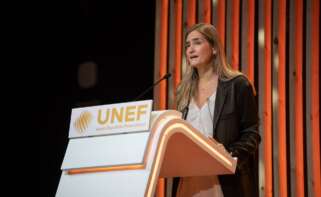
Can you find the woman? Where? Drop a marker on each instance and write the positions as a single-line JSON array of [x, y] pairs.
[[219, 102]]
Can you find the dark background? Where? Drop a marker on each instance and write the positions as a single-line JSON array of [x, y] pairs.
[[116, 35]]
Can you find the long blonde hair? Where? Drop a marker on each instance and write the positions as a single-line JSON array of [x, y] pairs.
[[188, 85]]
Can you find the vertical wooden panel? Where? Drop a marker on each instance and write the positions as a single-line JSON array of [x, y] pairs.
[[275, 96], [235, 34], [160, 192], [315, 97], [228, 30], [157, 53], [221, 20], [191, 12], [282, 169], [171, 56], [175, 48], [308, 139], [247, 38], [298, 129], [291, 97], [261, 97], [268, 102], [185, 22], [206, 11], [189, 19], [178, 43], [163, 53], [251, 29], [214, 13]]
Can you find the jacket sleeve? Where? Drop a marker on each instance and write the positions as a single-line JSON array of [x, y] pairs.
[[249, 139]]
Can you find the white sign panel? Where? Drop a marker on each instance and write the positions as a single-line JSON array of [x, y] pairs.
[[110, 119]]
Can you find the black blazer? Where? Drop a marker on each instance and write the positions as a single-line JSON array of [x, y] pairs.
[[235, 125]]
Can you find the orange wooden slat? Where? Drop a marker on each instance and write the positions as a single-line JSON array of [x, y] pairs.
[[221, 20], [160, 192], [282, 101], [315, 96], [251, 19], [298, 110], [178, 44], [267, 125], [191, 12], [163, 54], [157, 53], [206, 12], [235, 29]]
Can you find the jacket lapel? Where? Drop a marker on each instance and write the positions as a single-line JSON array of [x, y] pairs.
[[219, 102]]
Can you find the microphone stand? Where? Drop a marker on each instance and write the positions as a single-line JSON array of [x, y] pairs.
[[168, 75]]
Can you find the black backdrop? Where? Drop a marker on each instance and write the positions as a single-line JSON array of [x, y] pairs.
[[119, 37]]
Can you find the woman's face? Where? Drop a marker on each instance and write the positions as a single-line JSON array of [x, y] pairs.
[[199, 52]]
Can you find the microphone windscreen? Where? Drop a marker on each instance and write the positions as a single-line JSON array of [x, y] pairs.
[[168, 75]]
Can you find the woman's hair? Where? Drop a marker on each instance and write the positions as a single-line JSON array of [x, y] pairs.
[[187, 86]]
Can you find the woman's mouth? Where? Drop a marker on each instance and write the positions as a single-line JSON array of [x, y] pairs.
[[193, 57]]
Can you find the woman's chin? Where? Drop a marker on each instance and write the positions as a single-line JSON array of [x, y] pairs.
[[194, 65], [197, 66]]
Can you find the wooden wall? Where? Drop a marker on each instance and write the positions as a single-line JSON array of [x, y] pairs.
[[276, 43]]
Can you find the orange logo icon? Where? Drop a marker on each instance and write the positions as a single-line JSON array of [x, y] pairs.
[[82, 122]]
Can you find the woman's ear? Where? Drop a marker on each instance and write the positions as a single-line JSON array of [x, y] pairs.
[[214, 51]]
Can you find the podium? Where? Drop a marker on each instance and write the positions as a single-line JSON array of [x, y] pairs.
[[130, 163]]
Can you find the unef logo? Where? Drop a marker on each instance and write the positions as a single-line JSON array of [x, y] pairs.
[[110, 119], [82, 122], [124, 114]]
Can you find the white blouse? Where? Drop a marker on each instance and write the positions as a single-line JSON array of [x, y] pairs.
[[202, 119], [201, 186]]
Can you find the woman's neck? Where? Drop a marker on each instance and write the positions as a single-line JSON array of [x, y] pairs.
[[207, 84], [206, 73]]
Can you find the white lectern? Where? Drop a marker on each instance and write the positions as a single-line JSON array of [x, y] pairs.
[[129, 162]]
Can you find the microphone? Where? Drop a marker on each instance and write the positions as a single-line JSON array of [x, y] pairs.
[[186, 108], [166, 76]]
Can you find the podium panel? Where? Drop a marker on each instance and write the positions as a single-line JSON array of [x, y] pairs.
[[106, 151], [102, 184], [129, 164]]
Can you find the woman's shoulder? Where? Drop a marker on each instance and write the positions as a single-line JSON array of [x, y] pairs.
[[240, 83], [239, 80]]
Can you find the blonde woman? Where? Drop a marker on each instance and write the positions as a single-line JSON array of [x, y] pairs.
[[220, 103]]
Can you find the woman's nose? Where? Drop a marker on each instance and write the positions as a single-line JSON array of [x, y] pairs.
[[191, 50]]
